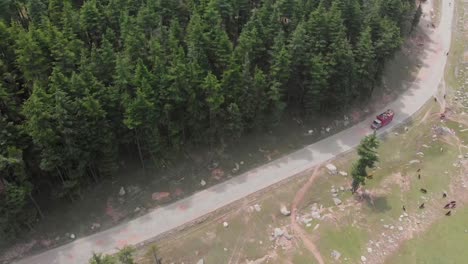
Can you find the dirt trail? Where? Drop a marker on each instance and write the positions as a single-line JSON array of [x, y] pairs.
[[296, 227]]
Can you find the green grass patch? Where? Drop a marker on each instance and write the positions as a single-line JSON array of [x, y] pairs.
[[347, 239], [445, 243]]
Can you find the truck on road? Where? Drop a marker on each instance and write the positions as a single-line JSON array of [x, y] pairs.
[[383, 119]]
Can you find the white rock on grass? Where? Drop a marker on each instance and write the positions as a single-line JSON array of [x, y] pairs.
[[257, 207], [337, 201], [284, 211], [363, 259], [278, 232], [225, 224], [335, 254], [122, 191], [331, 168], [369, 250], [72, 236], [201, 261], [414, 161], [343, 173], [202, 182]]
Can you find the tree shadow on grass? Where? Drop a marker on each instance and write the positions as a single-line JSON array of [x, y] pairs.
[[377, 204]]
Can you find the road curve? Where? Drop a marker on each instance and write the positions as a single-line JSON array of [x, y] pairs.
[[199, 204]]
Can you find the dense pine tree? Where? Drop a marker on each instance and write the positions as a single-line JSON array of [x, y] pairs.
[[83, 80]]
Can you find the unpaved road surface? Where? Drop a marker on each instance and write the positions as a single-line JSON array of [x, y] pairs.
[[186, 210]]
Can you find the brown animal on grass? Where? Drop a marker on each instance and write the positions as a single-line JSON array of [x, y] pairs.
[[421, 206], [423, 190], [449, 213]]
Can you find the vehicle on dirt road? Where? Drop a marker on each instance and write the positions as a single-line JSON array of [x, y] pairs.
[[383, 119]]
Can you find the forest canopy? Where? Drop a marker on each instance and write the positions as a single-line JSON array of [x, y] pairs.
[[82, 82]]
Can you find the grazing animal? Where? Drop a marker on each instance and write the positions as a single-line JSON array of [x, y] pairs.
[[418, 170], [453, 202], [404, 208], [421, 206], [452, 206], [447, 206], [419, 176], [448, 213], [444, 195], [423, 190]]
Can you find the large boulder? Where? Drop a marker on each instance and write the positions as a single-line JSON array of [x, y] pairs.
[[331, 169], [337, 201], [284, 211]]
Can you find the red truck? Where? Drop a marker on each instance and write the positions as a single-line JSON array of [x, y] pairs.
[[383, 119]]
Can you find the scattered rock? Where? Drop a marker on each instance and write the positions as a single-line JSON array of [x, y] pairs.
[[316, 226], [310, 132], [137, 210], [392, 227], [343, 173], [201, 261], [72, 236], [414, 161], [122, 191], [420, 154], [425, 146], [278, 232], [287, 235], [202, 182], [306, 220], [284, 211], [309, 225], [342, 188], [315, 215], [236, 169], [400, 228], [225, 249], [406, 128], [159, 196], [363, 259], [369, 250], [331, 168], [241, 163], [217, 173], [95, 226], [133, 189], [337, 201], [335, 254], [257, 207], [385, 226], [225, 224]]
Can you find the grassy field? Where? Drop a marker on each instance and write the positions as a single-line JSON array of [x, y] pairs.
[[445, 243]]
